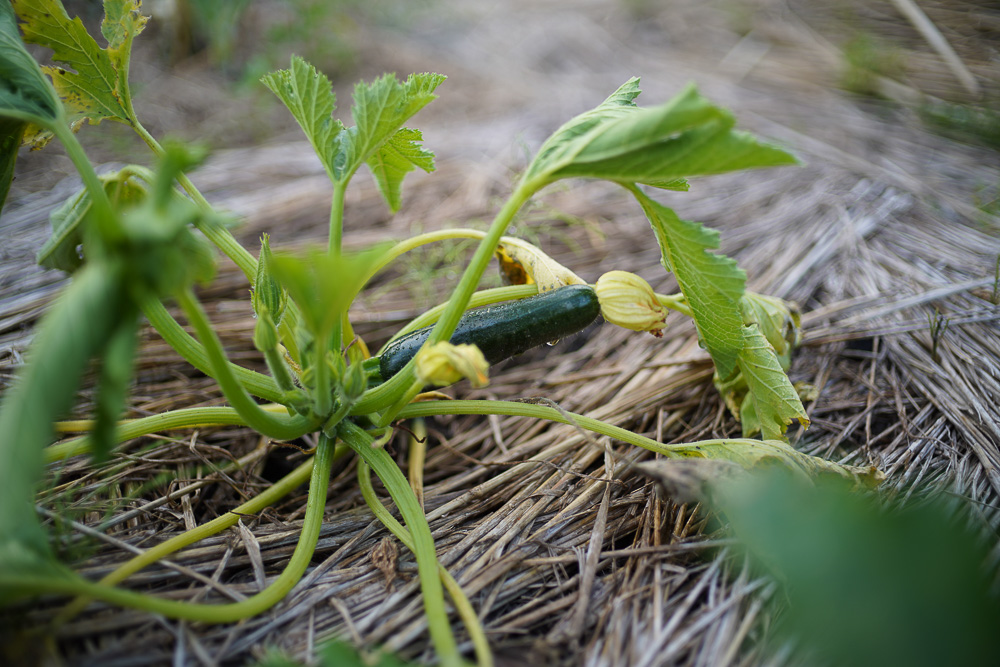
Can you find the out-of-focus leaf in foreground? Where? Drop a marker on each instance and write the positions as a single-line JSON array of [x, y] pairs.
[[868, 584]]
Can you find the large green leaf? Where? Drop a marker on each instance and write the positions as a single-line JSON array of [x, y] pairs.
[[866, 585], [658, 146], [711, 283], [92, 82], [24, 91]]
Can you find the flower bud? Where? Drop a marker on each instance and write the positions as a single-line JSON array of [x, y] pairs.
[[628, 301], [443, 364]]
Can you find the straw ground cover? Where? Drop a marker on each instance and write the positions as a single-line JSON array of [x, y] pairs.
[[557, 558]]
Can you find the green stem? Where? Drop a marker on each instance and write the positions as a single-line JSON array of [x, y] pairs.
[[134, 428], [280, 371], [195, 354], [413, 242], [317, 470], [273, 426], [423, 543], [387, 394], [675, 302], [107, 224], [462, 605], [337, 215], [514, 408]]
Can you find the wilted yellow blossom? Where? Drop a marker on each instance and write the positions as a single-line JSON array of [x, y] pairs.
[[628, 301], [443, 364]]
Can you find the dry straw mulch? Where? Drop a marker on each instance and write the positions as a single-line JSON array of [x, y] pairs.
[[568, 555]]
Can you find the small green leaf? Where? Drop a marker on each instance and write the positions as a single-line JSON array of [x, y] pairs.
[[309, 95], [92, 82], [25, 94], [322, 285], [380, 109], [658, 146], [401, 154], [267, 293], [711, 283]]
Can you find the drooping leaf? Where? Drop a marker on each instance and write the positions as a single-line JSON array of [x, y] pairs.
[[399, 155], [711, 283], [658, 146], [779, 321], [309, 95], [525, 264], [92, 81], [771, 402], [60, 250], [754, 455], [380, 109]]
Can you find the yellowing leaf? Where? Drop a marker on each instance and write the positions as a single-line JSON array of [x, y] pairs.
[[92, 82], [526, 264], [753, 455]]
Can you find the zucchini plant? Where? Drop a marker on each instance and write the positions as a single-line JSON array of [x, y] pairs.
[[139, 239]]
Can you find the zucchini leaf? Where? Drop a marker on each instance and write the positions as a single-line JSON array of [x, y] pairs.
[[659, 146], [26, 97], [322, 285], [91, 81], [751, 455], [380, 109], [711, 283], [771, 402], [61, 249], [308, 94], [399, 155], [378, 138]]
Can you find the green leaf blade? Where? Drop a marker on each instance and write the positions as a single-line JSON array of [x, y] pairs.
[[658, 146], [401, 154], [380, 109], [309, 96], [771, 402], [711, 283]]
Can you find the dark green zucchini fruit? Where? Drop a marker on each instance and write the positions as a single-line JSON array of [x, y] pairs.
[[508, 328]]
